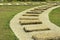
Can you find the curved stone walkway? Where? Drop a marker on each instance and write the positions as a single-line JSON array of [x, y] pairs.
[[18, 28]]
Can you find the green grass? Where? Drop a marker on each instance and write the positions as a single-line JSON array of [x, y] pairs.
[[55, 16], [6, 14]]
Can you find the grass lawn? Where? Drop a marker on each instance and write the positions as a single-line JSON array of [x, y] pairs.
[[55, 16], [6, 14]]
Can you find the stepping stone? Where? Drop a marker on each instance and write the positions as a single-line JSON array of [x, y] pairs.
[[47, 36], [1, 4], [9, 4], [49, 6], [32, 28], [25, 18], [17, 4], [33, 12], [44, 8], [34, 15], [28, 18], [31, 15], [30, 22], [37, 10], [40, 8], [54, 4]]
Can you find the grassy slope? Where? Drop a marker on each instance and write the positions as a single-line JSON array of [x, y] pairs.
[[55, 16], [6, 14]]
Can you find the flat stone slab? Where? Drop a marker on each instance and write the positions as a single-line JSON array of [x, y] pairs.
[[28, 18], [30, 15], [34, 12], [32, 28], [47, 36], [37, 10], [45, 7], [1, 4], [42, 8], [29, 22]]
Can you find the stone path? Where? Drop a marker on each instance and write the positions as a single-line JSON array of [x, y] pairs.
[[30, 22], [28, 3], [20, 3]]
